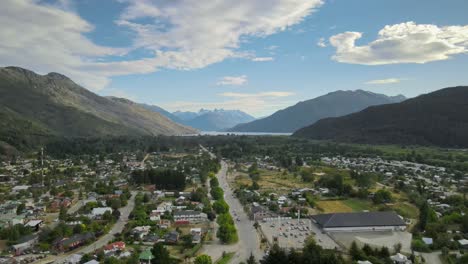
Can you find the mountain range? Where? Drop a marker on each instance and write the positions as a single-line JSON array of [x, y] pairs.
[[34, 105], [439, 118], [213, 120], [305, 113]]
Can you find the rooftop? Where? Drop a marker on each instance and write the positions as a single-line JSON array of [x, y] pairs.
[[361, 219]]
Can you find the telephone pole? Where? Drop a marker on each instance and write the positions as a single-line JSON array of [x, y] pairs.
[[42, 166]]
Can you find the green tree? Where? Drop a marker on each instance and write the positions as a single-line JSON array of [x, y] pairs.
[[161, 254], [221, 207], [63, 213], [356, 253], [203, 259], [423, 216], [382, 196], [217, 193], [21, 207]]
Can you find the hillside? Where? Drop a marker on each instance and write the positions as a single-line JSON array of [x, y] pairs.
[[305, 113], [439, 118], [53, 105], [157, 109], [215, 120]]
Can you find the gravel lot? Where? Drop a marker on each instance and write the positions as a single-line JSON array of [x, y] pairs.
[[376, 239]]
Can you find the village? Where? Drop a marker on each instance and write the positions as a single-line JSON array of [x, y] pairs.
[[83, 211], [343, 202], [122, 206]]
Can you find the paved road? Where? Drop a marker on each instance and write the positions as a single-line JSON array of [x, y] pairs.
[[103, 240], [249, 242]]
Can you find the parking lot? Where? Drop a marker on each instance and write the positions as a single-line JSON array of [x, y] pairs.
[[293, 232]]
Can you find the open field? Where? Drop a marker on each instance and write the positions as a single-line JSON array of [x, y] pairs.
[[276, 181], [336, 206], [404, 209], [358, 205]]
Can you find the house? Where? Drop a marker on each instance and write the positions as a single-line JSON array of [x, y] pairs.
[[361, 221], [196, 235], [73, 242], [141, 231], [116, 246], [463, 243], [100, 211], [19, 219], [26, 243], [164, 207], [400, 259], [428, 241], [259, 213], [74, 259], [164, 223], [180, 200], [34, 225], [155, 215], [282, 200], [153, 238], [146, 257], [190, 216], [171, 237], [20, 188]]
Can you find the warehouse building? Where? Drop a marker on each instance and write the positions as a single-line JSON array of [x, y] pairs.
[[360, 222]]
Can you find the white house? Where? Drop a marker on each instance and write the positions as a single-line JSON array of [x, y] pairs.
[[164, 207], [190, 215]]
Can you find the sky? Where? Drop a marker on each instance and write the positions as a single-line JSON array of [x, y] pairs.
[[257, 56]]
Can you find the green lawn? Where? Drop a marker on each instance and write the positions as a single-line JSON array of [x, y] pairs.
[[407, 210], [358, 205]]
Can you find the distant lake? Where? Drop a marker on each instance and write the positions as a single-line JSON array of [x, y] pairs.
[[215, 133]]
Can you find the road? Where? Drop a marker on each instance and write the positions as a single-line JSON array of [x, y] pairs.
[[249, 242], [103, 240]]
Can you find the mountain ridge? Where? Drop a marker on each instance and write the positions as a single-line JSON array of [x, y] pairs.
[[206, 120], [438, 118], [63, 108], [307, 112]]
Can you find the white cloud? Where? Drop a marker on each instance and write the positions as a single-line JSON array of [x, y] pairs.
[[47, 38], [402, 43], [262, 59], [257, 95], [182, 34], [321, 43], [199, 33], [233, 80], [258, 104], [385, 81], [272, 47]]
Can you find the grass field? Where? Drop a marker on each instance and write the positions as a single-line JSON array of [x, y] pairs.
[[274, 181], [358, 205], [406, 210], [336, 206]]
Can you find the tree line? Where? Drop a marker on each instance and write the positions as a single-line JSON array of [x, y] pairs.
[[163, 178]]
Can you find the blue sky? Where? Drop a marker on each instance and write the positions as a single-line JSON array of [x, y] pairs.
[[246, 54]]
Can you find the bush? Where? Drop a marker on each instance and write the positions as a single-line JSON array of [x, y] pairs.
[[418, 245]]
